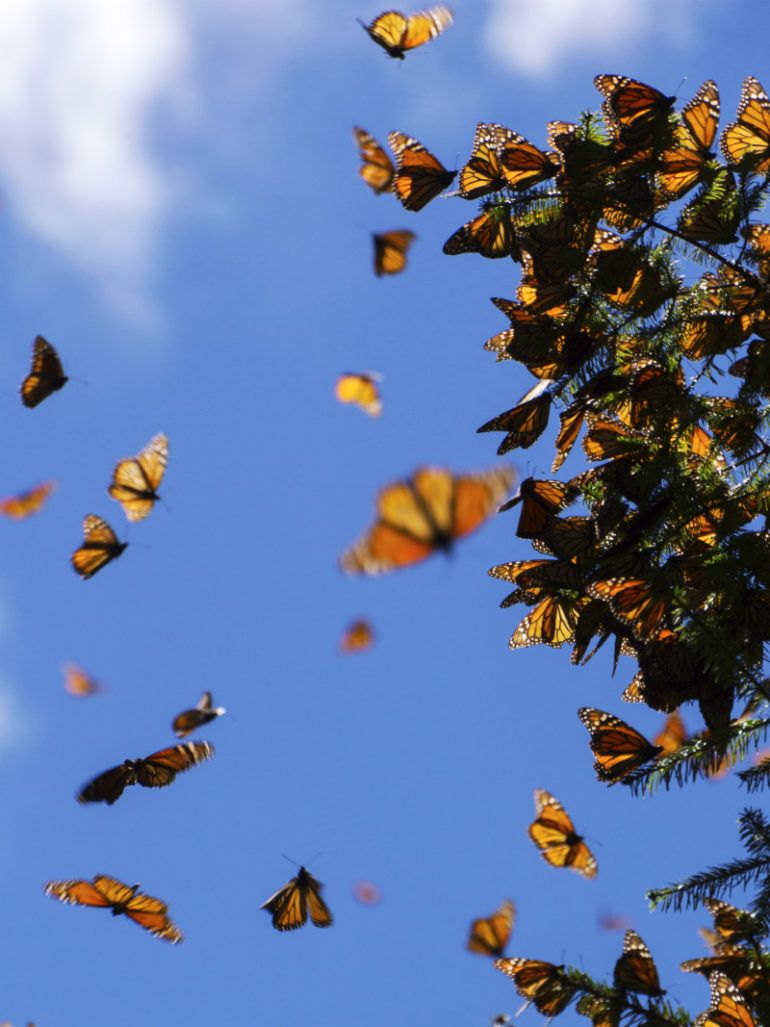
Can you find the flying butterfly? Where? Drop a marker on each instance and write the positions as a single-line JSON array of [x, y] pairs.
[[420, 176], [108, 893], [24, 504], [490, 233], [617, 747], [635, 970], [682, 166], [190, 720], [155, 771], [396, 32], [46, 374], [554, 834], [672, 736], [746, 141], [100, 545], [728, 1007], [135, 479], [390, 250], [361, 389], [376, 166], [357, 638], [298, 898], [489, 935], [540, 982], [426, 514], [79, 684]]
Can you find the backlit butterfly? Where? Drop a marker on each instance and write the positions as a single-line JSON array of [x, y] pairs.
[[552, 622], [746, 141], [682, 166], [732, 961], [728, 1007], [80, 684], [540, 500], [617, 747], [635, 109], [490, 233], [489, 935], [714, 215], [155, 771], [554, 834], [396, 32], [358, 637], [361, 389], [483, 172], [46, 375], [100, 545], [420, 177], [298, 898], [635, 970], [524, 423], [377, 168], [390, 250], [524, 165], [634, 601], [540, 982], [25, 503], [190, 720], [425, 514], [108, 893], [136, 479], [733, 924]]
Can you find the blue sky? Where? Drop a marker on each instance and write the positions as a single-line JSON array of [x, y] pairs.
[[182, 218]]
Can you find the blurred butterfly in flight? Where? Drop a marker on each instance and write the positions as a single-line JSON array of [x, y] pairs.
[[46, 374], [136, 479], [396, 32], [100, 546], [26, 503], [155, 771], [189, 720], [109, 893]]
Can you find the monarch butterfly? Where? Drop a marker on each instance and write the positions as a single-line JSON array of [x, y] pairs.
[[635, 109], [489, 935], [584, 161], [728, 1007], [732, 924], [188, 720], [684, 163], [713, 215], [425, 514], [390, 250], [732, 961], [524, 423], [634, 601], [746, 141], [524, 165], [377, 168], [617, 747], [539, 296], [554, 834], [635, 970], [361, 389], [366, 893], [25, 503], [358, 637], [612, 440], [672, 736], [540, 500], [46, 375], [135, 479], [419, 177], [155, 771], [570, 538], [396, 32], [80, 684], [100, 545], [109, 893], [540, 982], [491, 234], [483, 172], [598, 1010], [292, 903]]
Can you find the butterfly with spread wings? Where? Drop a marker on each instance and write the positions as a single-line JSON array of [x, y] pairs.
[[426, 514], [108, 893], [376, 166], [135, 479], [155, 771], [617, 747], [396, 32], [483, 172], [489, 935], [635, 970], [420, 176], [100, 545], [542, 983], [490, 233], [554, 834], [190, 720], [26, 503], [46, 374], [390, 250], [634, 110], [746, 141], [299, 898]]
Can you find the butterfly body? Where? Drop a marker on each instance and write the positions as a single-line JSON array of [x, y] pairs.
[[299, 898], [46, 374], [155, 771], [397, 33], [121, 899]]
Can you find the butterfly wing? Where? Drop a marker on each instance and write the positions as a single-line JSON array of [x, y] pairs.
[[488, 936], [390, 250], [78, 893], [388, 31], [152, 914], [483, 172], [746, 141], [288, 907], [419, 177], [477, 496], [424, 26], [100, 545], [160, 769], [635, 970], [358, 637], [728, 1007], [136, 479], [46, 374], [376, 166], [673, 735], [26, 503], [542, 983], [491, 234], [109, 785], [317, 909]]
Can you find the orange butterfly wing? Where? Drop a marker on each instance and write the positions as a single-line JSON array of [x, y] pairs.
[[290, 905], [635, 970], [361, 390], [376, 168], [358, 637], [390, 250], [396, 33], [78, 893], [617, 747], [488, 936], [746, 141], [160, 769], [78, 683], [728, 1007], [26, 503]]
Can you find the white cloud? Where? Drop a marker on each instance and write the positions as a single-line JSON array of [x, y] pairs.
[[534, 37]]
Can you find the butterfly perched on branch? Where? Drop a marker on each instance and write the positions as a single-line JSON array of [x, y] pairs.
[[617, 747], [542, 983], [635, 970]]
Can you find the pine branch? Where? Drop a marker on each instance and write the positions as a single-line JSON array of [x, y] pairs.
[[706, 884]]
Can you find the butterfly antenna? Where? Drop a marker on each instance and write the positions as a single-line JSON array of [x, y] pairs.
[[293, 862], [80, 381]]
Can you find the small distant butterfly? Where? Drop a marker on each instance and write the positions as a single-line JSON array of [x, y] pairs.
[[420, 176], [80, 684], [136, 479], [109, 893], [155, 771], [390, 250], [542, 983], [298, 898], [361, 389], [26, 503], [358, 637], [746, 141], [100, 545], [377, 168], [366, 893], [46, 375], [554, 834], [617, 747], [396, 32], [189, 720], [635, 970], [489, 935]]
